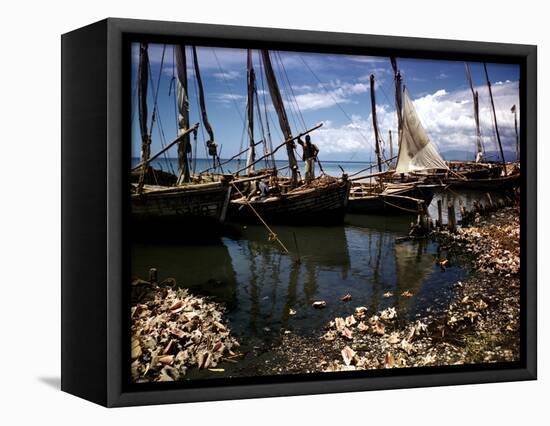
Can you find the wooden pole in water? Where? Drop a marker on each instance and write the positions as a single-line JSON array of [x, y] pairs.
[[515, 112], [153, 275], [272, 235], [451, 217], [439, 213]]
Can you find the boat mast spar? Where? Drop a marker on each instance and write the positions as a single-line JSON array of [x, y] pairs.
[[281, 113], [143, 84], [251, 82], [495, 118], [375, 123], [184, 146], [479, 147]]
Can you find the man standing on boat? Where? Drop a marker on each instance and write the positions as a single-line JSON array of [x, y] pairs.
[[309, 156]]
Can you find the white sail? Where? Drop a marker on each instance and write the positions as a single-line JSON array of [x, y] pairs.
[[416, 152]]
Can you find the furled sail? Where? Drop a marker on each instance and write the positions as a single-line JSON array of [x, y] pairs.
[[184, 147], [416, 152]]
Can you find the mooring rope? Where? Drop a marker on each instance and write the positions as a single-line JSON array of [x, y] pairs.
[[272, 235]]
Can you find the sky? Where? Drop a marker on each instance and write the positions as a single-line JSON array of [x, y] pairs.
[[334, 90]]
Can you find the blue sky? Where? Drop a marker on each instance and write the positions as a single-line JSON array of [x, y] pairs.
[[332, 89]]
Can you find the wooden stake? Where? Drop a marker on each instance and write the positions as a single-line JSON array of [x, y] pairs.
[[272, 235], [153, 275], [451, 217]]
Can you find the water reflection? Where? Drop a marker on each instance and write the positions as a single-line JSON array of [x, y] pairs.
[[259, 284]]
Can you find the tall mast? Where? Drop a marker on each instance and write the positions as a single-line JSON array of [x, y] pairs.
[[211, 144], [375, 123], [398, 91], [143, 84], [251, 82], [495, 117], [479, 148], [281, 113], [391, 145], [184, 147], [515, 112]]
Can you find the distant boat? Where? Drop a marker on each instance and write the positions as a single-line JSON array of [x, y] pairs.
[[478, 174], [394, 199]]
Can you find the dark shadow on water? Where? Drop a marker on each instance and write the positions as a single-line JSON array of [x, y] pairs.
[[54, 382]]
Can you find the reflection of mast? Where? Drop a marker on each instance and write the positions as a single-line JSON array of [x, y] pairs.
[[184, 147], [495, 118], [479, 149], [281, 113], [254, 294], [291, 298], [412, 267]]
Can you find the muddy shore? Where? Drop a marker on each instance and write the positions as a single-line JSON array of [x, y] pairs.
[[480, 325]]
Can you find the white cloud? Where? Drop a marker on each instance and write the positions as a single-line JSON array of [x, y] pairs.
[[446, 116], [449, 122], [328, 95], [227, 75], [227, 98]]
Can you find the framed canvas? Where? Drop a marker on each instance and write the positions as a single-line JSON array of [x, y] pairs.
[[254, 212]]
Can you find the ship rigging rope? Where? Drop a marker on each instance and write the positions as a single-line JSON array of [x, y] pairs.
[[269, 117], [336, 103], [399, 207], [155, 116], [285, 92], [156, 91], [292, 94], [269, 147], [224, 79], [196, 89]]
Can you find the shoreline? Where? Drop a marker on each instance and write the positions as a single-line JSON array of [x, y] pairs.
[[480, 325]]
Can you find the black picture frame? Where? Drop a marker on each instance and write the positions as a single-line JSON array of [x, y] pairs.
[[95, 159]]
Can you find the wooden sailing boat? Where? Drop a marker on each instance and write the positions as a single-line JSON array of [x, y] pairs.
[[383, 197], [479, 175], [190, 202], [478, 169], [289, 200]]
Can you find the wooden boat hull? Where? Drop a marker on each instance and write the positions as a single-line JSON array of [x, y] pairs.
[[501, 183], [399, 202], [154, 177], [184, 205], [320, 205]]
